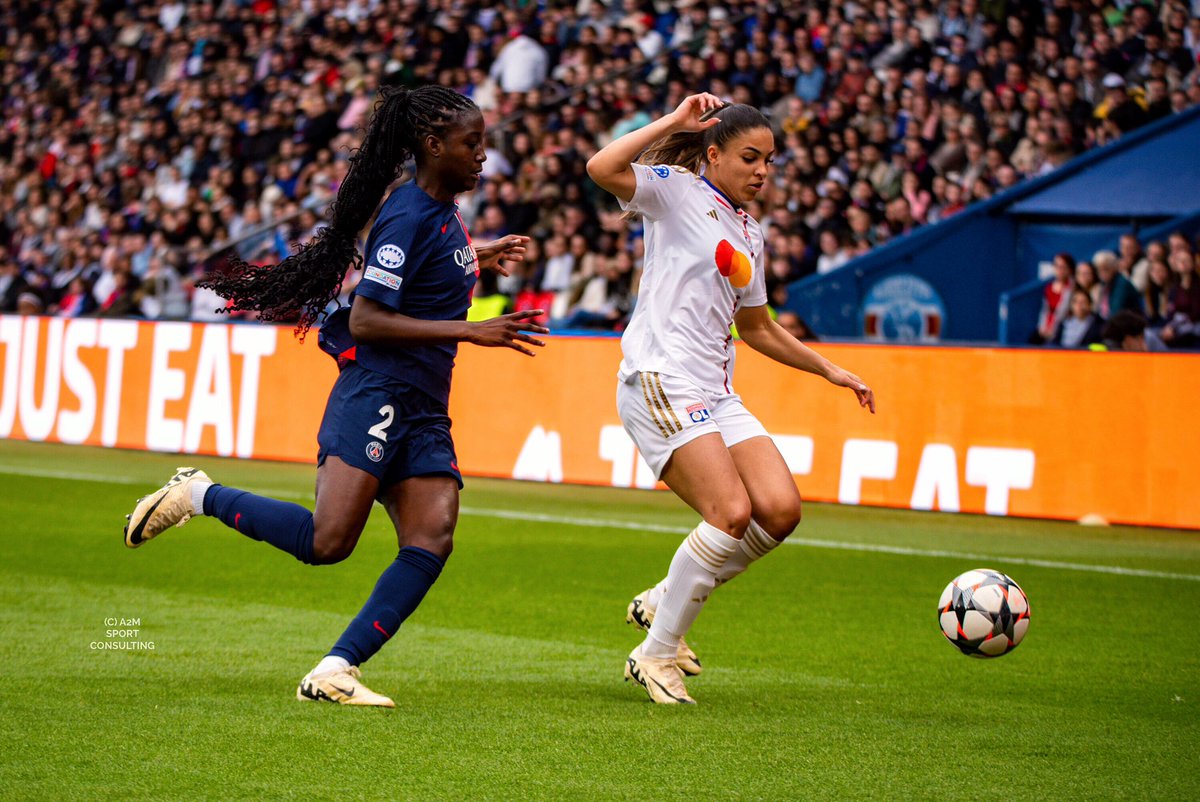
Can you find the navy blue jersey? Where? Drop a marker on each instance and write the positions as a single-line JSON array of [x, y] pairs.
[[419, 261]]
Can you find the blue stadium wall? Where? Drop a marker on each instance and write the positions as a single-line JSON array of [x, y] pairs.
[[974, 277]]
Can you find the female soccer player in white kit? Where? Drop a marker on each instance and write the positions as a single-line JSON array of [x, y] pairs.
[[704, 270]]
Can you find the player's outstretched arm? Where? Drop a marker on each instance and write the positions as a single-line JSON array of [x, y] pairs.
[[764, 335], [375, 324], [612, 168]]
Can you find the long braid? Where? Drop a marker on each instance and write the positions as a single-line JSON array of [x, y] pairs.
[[308, 280]]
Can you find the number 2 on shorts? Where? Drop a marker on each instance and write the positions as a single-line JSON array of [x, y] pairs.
[[380, 429]]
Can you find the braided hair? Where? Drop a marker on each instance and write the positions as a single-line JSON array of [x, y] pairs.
[[309, 279]]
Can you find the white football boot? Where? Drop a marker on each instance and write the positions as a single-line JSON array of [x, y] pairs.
[[342, 686], [660, 677], [170, 505], [638, 614]]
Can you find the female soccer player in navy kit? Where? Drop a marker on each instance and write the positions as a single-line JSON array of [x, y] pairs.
[[695, 170], [385, 435]]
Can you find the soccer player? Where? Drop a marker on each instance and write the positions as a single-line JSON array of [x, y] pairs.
[[704, 270], [385, 434]]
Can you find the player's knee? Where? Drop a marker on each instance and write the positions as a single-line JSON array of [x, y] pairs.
[[732, 516], [435, 535], [440, 542], [332, 545], [780, 520], [330, 553]]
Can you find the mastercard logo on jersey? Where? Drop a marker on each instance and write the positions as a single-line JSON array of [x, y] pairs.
[[733, 264]]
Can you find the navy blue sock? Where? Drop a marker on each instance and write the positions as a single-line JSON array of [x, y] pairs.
[[397, 593], [286, 526]]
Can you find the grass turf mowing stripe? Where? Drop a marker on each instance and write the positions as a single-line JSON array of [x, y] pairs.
[[607, 523]]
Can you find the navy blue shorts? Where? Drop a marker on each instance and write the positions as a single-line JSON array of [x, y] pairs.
[[387, 428]]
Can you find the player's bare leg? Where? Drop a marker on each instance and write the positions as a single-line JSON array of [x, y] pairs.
[[774, 503], [344, 497]]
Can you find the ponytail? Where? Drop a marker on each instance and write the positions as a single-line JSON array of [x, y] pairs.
[[689, 149], [308, 280], [684, 149]]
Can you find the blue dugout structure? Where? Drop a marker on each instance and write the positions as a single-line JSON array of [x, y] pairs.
[[975, 277]]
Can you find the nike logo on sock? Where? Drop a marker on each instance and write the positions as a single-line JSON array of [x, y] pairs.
[[381, 629], [236, 519]]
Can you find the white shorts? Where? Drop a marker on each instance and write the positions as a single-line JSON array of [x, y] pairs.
[[662, 413]]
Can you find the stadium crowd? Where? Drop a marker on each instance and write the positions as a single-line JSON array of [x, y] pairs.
[[142, 140], [1151, 293]]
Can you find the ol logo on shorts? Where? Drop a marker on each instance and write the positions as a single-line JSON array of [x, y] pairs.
[[374, 451], [698, 413]]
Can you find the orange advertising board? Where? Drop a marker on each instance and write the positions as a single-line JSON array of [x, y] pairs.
[[1054, 434]]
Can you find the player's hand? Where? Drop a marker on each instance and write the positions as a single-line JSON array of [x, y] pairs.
[[493, 255], [844, 378], [508, 331], [687, 116]]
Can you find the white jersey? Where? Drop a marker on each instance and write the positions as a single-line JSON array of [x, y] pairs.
[[704, 261]]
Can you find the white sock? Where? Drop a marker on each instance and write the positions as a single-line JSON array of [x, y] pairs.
[[331, 663], [755, 545], [691, 578], [655, 594], [198, 490]]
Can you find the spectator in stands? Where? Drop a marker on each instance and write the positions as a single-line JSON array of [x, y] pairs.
[[796, 326], [1056, 296], [122, 298], [1120, 112], [1082, 327], [12, 284], [77, 301], [919, 199], [1183, 312], [1155, 251], [833, 252], [1130, 255], [1177, 242], [1087, 279], [1116, 291], [1160, 285], [1126, 331], [30, 302]]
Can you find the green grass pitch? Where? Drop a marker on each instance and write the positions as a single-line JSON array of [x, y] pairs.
[[825, 677]]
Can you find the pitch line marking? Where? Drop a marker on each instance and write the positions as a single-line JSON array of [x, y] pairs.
[[533, 517], [634, 526]]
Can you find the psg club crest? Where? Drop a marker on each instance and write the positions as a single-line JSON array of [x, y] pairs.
[[374, 451], [903, 308]]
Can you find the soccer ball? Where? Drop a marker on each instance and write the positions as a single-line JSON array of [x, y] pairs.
[[984, 613]]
